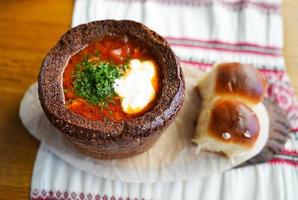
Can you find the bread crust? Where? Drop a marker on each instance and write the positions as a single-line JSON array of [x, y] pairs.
[[109, 139]]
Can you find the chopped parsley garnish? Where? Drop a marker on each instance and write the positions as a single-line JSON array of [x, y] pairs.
[[94, 80]]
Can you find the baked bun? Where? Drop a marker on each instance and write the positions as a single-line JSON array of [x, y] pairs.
[[232, 116], [239, 80]]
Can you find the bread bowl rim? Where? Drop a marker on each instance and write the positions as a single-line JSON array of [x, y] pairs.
[[88, 131]]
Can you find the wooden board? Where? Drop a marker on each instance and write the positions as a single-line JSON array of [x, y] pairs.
[[28, 29]]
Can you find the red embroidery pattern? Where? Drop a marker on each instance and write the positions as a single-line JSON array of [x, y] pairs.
[[204, 66], [226, 49], [218, 45], [279, 161], [241, 4], [218, 42], [234, 5], [58, 195], [290, 152]]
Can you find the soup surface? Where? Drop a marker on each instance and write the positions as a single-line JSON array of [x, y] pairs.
[[113, 78]]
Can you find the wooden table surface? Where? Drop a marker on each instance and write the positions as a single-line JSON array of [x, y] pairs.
[[28, 29]]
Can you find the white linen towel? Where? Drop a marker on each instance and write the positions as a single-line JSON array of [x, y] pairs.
[[200, 32]]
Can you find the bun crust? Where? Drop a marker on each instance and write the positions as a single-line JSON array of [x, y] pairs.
[[233, 122], [233, 119], [240, 80]]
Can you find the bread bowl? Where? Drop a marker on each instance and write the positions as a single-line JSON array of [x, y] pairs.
[[111, 138]]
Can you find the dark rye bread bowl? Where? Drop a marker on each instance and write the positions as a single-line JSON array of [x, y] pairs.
[[110, 139]]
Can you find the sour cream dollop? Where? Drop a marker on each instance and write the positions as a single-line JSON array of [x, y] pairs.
[[136, 88]]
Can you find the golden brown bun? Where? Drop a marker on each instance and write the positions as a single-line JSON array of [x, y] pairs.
[[232, 116], [233, 122], [240, 80]]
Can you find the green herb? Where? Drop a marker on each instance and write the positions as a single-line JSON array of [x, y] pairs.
[[94, 80]]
